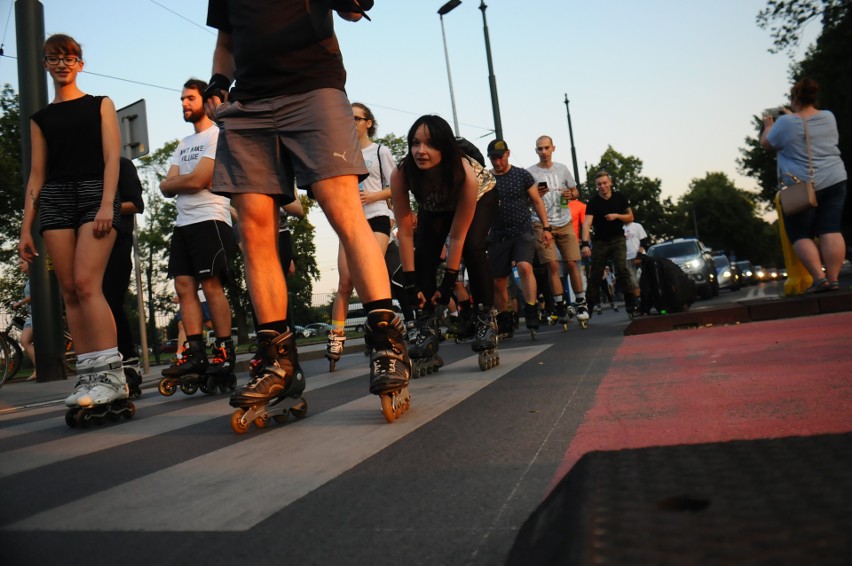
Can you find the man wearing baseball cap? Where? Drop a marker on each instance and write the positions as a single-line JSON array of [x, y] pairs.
[[512, 238]]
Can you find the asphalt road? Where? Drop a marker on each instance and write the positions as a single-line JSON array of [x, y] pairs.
[[450, 482]]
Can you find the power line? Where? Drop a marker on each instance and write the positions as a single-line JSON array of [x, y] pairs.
[[116, 78], [205, 28]]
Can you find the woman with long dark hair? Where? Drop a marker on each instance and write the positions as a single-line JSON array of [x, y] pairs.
[[454, 198]]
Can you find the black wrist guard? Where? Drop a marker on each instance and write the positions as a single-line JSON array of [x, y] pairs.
[[585, 244], [218, 85], [410, 288], [448, 283], [357, 6], [547, 229]]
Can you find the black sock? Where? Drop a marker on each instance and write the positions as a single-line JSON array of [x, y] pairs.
[[279, 326], [381, 304]]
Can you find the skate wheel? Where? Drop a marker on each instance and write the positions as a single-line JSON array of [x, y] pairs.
[[533, 334], [281, 419], [237, 423], [189, 388], [82, 418], [584, 324], [166, 387], [565, 327], [300, 411], [261, 422], [113, 416], [483, 363], [209, 387], [70, 419], [130, 412], [387, 407]]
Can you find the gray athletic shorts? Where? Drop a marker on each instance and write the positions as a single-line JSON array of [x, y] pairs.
[[71, 204], [269, 146]]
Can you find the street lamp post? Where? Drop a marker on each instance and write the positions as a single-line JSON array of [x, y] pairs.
[[446, 9], [573, 149], [492, 80]]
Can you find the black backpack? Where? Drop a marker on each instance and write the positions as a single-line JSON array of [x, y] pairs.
[[665, 286]]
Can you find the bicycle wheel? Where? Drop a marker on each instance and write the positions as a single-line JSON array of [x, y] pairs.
[[4, 360], [16, 357]]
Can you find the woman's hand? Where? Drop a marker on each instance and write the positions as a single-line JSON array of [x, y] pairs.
[[103, 221], [26, 247]]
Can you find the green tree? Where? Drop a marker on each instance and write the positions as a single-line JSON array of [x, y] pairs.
[[760, 164], [786, 18], [649, 209], [727, 219], [300, 285], [397, 145], [11, 177]]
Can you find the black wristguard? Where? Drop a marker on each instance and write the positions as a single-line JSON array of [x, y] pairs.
[[218, 85], [448, 283], [410, 288], [357, 6]]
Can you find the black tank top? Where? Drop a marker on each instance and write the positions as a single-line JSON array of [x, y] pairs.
[[74, 143]]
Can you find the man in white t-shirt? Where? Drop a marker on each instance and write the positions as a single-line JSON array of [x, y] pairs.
[[554, 182], [636, 241], [202, 243]]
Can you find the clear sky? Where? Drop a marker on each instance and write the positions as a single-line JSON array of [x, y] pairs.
[[672, 82]]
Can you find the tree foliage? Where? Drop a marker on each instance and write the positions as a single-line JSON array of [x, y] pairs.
[[300, 284], [643, 192], [786, 18], [11, 176], [727, 218], [759, 163], [397, 145]]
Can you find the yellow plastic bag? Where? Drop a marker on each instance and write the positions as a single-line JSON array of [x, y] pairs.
[[798, 279]]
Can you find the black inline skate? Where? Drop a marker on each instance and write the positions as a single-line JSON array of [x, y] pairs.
[[563, 313], [133, 377], [485, 338], [275, 386], [220, 373], [186, 372], [100, 394], [423, 349], [461, 327], [505, 325], [390, 366], [531, 318], [334, 347]]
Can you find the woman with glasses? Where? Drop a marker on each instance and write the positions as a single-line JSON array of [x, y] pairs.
[[375, 197], [454, 197], [72, 187]]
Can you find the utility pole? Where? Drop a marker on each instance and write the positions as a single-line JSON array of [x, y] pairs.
[[45, 304], [442, 11], [573, 149], [492, 80]]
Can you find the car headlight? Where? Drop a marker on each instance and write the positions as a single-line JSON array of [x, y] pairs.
[[726, 273], [693, 264]]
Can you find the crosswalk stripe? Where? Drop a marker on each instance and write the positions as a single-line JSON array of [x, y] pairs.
[[80, 444], [247, 482]]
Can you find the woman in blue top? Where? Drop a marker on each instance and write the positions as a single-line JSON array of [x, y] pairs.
[[787, 137]]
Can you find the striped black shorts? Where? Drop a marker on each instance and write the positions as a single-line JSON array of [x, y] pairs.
[[71, 204]]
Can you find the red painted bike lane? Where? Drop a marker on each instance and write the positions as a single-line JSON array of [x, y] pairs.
[[789, 377]]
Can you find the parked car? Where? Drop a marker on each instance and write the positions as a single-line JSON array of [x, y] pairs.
[[748, 272], [169, 346], [694, 259], [356, 318], [319, 328], [726, 273], [304, 331]]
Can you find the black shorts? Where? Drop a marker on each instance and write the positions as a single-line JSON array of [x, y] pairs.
[[202, 250], [520, 248], [70, 205], [380, 224]]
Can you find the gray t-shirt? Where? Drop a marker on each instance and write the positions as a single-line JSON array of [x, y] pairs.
[[558, 178], [787, 136]]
